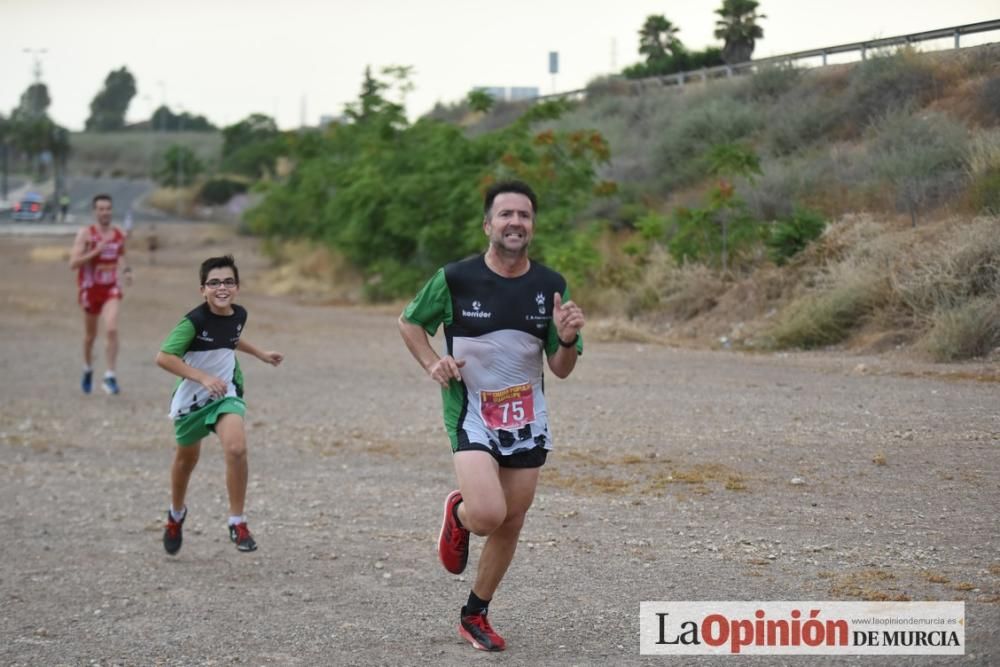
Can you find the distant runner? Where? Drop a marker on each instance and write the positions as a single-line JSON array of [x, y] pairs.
[[501, 312], [97, 253]]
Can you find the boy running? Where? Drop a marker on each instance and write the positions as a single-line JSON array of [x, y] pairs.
[[201, 350]]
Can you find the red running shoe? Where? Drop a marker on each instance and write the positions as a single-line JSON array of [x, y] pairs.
[[173, 533], [240, 534], [453, 543], [475, 629]]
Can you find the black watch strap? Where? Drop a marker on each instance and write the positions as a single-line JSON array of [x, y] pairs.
[[572, 343]]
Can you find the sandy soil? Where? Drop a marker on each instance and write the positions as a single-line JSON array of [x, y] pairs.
[[678, 475]]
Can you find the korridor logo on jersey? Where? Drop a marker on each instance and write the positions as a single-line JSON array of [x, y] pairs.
[[540, 300], [476, 311]]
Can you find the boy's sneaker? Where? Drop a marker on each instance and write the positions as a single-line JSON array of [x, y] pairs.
[[240, 534], [87, 381], [475, 629], [110, 384], [173, 534], [453, 542]]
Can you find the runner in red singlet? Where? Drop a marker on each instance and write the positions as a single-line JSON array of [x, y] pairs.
[[97, 252]]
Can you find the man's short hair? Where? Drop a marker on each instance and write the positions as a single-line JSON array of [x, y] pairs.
[[218, 263], [501, 187], [97, 198]]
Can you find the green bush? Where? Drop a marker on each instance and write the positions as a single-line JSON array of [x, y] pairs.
[[922, 156], [788, 237], [771, 82], [691, 135], [796, 125], [399, 200], [884, 83], [218, 191]]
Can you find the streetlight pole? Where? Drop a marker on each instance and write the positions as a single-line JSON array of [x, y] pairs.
[[180, 168], [36, 68]]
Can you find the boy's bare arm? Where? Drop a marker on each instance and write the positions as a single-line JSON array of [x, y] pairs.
[[268, 357]]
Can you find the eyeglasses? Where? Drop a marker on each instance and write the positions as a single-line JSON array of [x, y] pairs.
[[215, 283]]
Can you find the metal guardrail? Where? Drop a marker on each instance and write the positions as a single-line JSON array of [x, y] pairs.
[[719, 71]]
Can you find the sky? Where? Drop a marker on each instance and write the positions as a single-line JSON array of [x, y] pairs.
[[301, 59]]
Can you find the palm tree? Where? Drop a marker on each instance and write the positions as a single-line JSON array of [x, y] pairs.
[[658, 38], [738, 26]]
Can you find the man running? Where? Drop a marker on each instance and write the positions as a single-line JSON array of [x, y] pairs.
[[97, 252], [500, 312]]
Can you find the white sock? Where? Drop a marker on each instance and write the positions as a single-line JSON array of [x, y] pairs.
[[88, 369], [233, 520], [108, 374], [178, 516]]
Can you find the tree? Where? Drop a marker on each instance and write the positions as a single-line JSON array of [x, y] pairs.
[[179, 167], [372, 104], [398, 200], [252, 146], [107, 110], [658, 38], [479, 100], [738, 27], [165, 120], [34, 101]]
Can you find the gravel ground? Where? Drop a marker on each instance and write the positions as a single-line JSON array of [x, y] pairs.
[[678, 475]]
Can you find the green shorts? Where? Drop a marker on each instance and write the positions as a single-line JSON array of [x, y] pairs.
[[194, 426]]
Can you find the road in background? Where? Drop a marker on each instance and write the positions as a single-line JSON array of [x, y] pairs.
[[127, 194]]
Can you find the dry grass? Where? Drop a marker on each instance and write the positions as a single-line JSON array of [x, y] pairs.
[[874, 585], [984, 152], [310, 271], [934, 577], [586, 484], [172, 200], [940, 282], [620, 330], [50, 253], [964, 332], [945, 273]]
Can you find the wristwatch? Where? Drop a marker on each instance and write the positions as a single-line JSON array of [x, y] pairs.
[[572, 343]]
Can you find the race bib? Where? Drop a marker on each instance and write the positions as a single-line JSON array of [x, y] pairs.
[[508, 409], [106, 274]]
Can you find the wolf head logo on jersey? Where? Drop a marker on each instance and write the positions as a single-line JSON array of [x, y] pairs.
[[540, 300], [476, 305]]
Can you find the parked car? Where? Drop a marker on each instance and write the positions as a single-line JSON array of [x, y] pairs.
[[30, 208]]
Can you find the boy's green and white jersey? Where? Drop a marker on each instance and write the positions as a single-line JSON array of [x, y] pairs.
[[500, 328], [206, 341]]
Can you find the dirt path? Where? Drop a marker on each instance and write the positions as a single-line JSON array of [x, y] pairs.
[[672, 480]]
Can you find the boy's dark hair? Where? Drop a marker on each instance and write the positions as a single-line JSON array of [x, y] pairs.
[[520, 187], [105, 196], [218, 263]]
